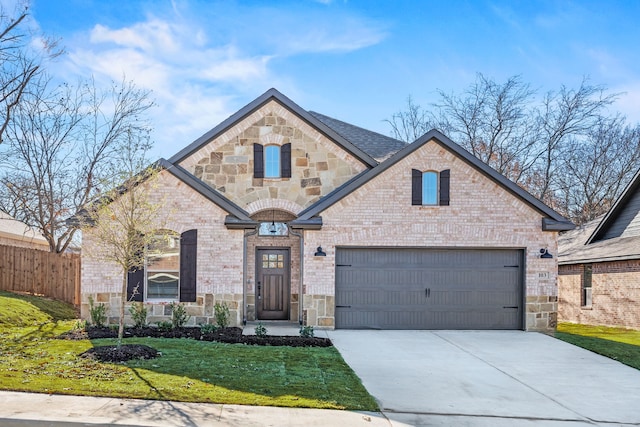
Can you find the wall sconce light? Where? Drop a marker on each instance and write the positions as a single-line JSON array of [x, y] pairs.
[[544, 253], [320, 252]]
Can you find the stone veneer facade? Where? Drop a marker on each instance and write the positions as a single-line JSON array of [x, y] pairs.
[[615, 294], [481, 214], [318, 165]]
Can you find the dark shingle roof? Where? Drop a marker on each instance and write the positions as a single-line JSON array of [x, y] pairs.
[[378, 146], [572, 247]]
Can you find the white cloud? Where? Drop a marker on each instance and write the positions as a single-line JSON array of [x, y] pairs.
[[198, 67]]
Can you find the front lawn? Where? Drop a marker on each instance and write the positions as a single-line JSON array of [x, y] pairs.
[[31, 359], [619, 344]]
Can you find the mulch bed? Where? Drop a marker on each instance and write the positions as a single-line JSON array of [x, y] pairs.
[[224, 335], [113, 353]]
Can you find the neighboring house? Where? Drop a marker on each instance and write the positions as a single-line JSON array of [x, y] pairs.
[[286, 214], [17, 233], [599, 266]]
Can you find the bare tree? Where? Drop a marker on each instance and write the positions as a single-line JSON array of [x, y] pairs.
[[123, 222], [595, 170], [526, 140], [409, 124], [566, 114], [63, 145], [20, 62]]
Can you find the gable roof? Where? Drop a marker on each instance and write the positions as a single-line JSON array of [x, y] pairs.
[[378, 146], [612, 237], [12, 229], [574, 249], [552, 222], [273, 94], [623, 216]]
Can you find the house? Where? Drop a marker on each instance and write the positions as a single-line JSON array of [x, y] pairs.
[[17, 233], [599, 266], [286, 214]]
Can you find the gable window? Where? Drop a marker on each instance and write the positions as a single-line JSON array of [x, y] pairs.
[[162, 265], [587, 273], [169, 271], [272, 161], [430, 188]]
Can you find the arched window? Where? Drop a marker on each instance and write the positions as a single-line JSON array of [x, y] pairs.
[[429, 188], [162, 266], [272, 161]]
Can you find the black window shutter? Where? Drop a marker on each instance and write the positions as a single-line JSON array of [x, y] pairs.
[[135, 284], [258, 161], [285, 161], [416, 187], [188, 254], [444, 187]]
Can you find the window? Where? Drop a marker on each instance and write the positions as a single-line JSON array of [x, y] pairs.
[[430, 188], [163, 267], [587, 274], [272, 261], [170, 269], [272, 161]]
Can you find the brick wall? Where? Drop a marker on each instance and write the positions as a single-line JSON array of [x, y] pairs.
[[219, 262], [615, 294], [481, 214]]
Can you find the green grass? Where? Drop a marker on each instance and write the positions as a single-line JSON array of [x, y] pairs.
[[191, 371], [619, 344]]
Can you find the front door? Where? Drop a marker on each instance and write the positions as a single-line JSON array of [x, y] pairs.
[[272, 285]]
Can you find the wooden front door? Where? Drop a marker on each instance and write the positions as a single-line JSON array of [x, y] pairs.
[[272, 285]]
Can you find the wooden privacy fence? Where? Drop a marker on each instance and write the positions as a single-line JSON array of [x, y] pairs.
[[38, 272]]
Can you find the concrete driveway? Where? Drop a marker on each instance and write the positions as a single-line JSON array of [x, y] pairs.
[[489, 378]]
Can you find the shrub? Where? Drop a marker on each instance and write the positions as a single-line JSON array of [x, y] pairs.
[[261, 331], [179, 315], [139, 314], [221, 313], [208, 328], [165, 326], [98, 313], [306, 331]]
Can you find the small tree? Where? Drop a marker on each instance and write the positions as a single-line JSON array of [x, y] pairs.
[[122, 223]]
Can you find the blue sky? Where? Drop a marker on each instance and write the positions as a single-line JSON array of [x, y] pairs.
[[355, 60]]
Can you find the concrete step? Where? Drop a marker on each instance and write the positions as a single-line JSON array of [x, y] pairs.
[[274, 327]]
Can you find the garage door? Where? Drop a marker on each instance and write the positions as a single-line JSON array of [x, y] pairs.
[[392, 288]]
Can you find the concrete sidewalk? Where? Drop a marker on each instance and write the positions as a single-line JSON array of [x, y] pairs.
[[33, 409]]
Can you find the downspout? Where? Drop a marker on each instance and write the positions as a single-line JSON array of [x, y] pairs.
[[244, 273], [300, 286]]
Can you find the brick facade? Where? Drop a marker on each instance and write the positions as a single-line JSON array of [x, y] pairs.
[[615, 294], [219, 265], [481, 214]]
